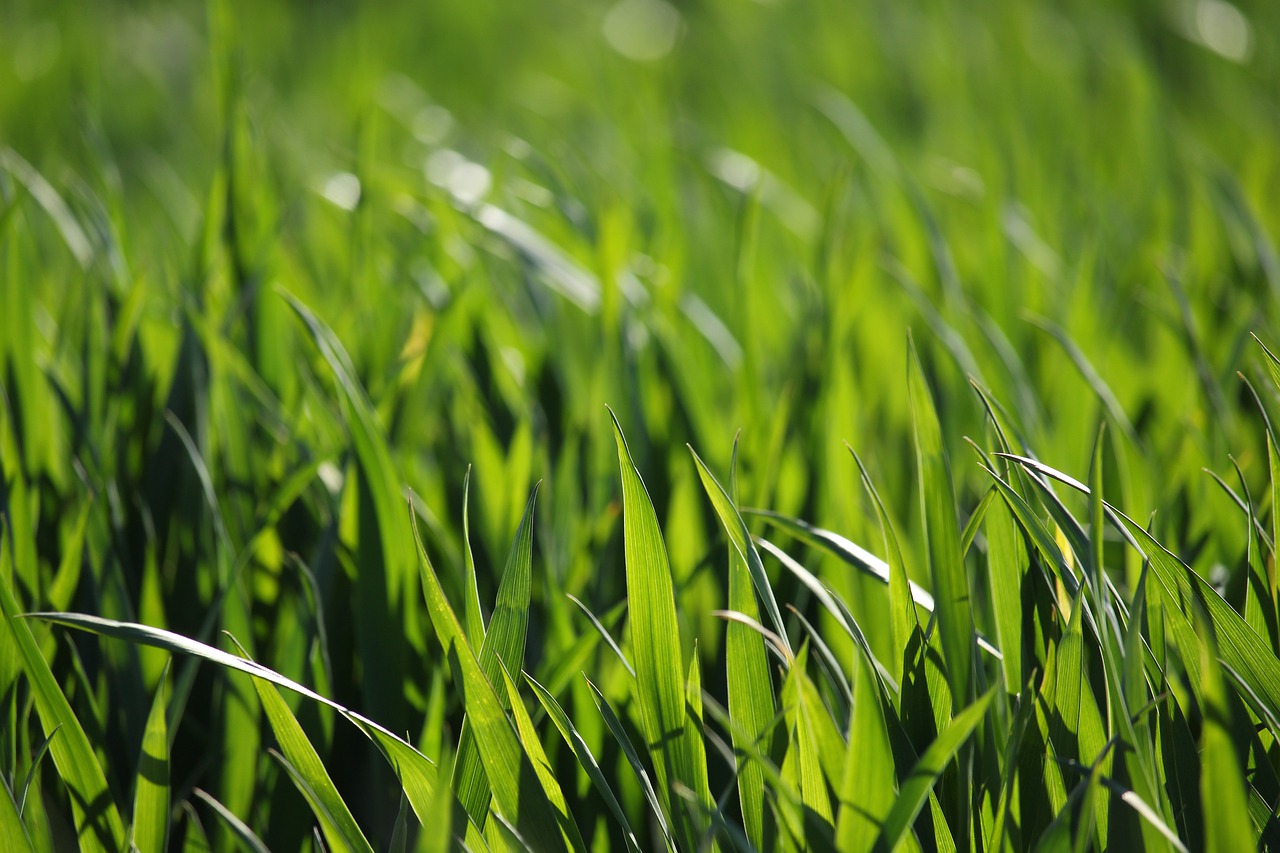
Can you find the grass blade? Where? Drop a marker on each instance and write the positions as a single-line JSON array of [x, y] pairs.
[[98, 823], [946, 561], [655, 640], [151, 789]]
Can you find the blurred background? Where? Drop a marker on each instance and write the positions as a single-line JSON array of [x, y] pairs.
[[712, 216]]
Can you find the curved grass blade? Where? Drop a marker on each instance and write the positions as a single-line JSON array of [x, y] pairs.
[[655, 640], [603, 631], [246, 835], [740, 539], [150, 830], [35, 766], [97, 821], [541, 765], [417, 774], [503, 647], [471, 612], [309, 774]]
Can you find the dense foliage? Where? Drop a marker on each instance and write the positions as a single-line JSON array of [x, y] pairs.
[[299, 303]]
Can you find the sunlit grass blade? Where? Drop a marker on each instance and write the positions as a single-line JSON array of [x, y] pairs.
[[98, 823], [309, 774], [541, 765], [150, 830], [586, 759], [13, 833], [637, 767], [750, 688], [740, 539], [512, 779], [417, 774], [473, 616], [946, 561], [915, 788], [603, 632], [1222, 782], [868, 785], [503, 647], [655, 643]]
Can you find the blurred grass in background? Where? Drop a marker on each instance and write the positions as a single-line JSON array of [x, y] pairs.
[[265, 268]]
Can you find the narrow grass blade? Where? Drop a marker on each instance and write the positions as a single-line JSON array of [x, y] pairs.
[[624, 743], [151, 787], [98, 823], [946, 561], [472, 614], [655, 640], [238, 827], [585, 758], [541, 765], [503, 647], [309, 774], [918, 784], [604, 633], [750, 688], [512, 778], [740, 539]]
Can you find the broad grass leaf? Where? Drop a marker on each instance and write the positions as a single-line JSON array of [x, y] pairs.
[[13, 833], [868, 785], [1228, 827]]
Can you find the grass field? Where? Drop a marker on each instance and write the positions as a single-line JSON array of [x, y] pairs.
[[794, 424]]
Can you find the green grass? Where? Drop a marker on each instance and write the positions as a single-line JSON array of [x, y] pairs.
[[316, 531]]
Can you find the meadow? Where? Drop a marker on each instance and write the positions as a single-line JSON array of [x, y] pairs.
[[706, 425]]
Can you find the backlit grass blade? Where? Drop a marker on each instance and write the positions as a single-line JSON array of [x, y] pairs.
[[417, 774], [915, 788], [585, 758], [603, 632], [503, 647], [13, 833], [868, 785], [946, 561], [1228, 827], [655, 642], [472, 614], [541, 765], [750, 688], [902, 612], [97, 821], [637, 767], [309, 774], [150, 830], [512, 779], [740, 539], [238, 827]]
